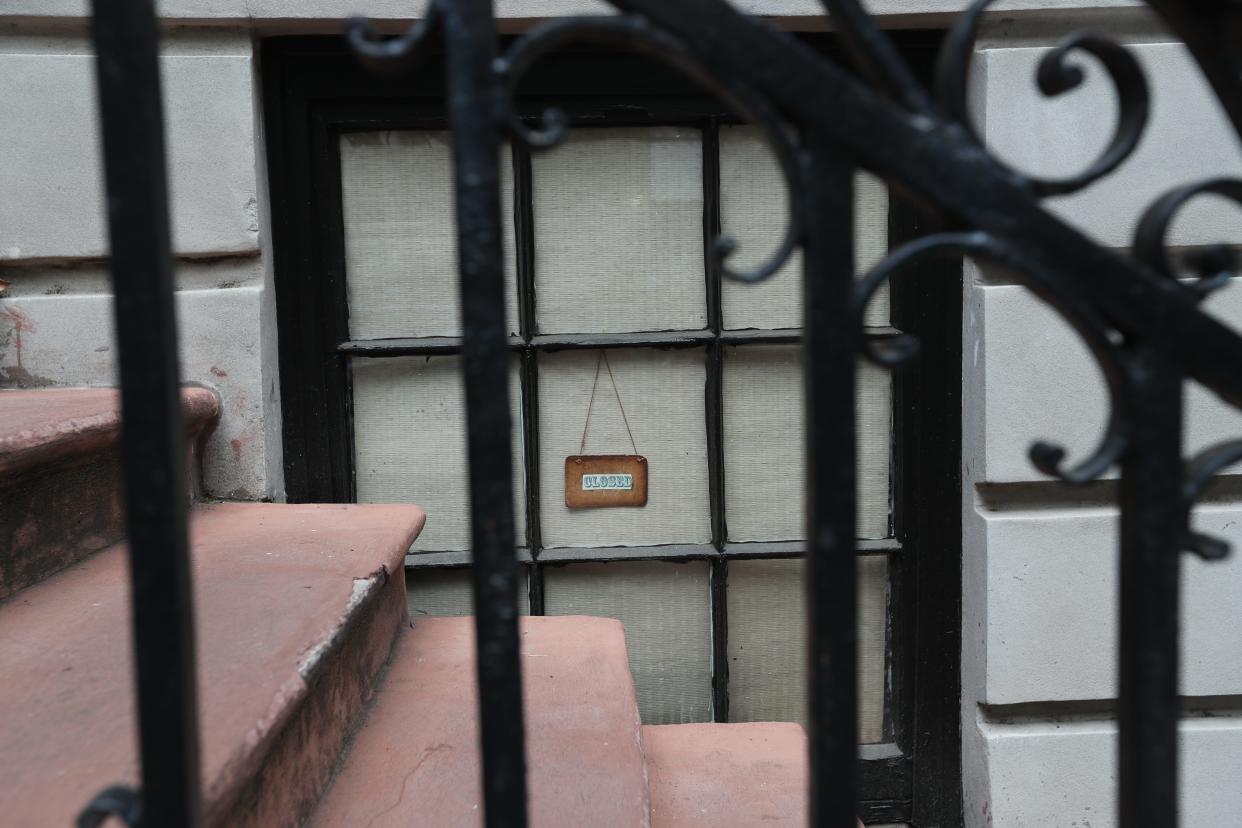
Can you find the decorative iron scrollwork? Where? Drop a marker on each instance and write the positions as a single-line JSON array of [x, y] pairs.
[[1056, 76], [1046, 456], [1200, 471], [638, 34], [118, 801], [1213, 265], [392, 55]]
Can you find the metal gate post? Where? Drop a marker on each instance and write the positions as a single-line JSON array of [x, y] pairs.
[[1152, 527], [152, 436], [829, 365], [470, 35]]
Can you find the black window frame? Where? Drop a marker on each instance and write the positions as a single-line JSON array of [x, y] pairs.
[[314, 91]]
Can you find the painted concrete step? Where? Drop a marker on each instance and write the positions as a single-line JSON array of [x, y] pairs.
[[60, 478], [727, 775], [296, 610], [415, 761]]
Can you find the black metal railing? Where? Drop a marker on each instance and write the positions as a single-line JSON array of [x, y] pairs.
[[1143, 326], [152, 436]]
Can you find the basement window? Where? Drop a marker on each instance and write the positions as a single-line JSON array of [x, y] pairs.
[[615, 308]]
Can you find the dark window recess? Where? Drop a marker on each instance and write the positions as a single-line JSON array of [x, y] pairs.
[[314, 92]]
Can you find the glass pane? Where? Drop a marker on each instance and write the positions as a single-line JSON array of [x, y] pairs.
[[662, 393], [446, 592], [767, 643], [400, 243], [763, 451], [665, 610], [754, 211], [619, 231], [410, 444]]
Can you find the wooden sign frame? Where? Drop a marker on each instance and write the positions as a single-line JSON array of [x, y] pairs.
[[599, 481]]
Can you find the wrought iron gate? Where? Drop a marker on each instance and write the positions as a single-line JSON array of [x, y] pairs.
[[1142, 325]]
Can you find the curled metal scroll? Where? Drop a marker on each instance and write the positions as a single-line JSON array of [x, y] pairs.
[[119, 801], [1048, 457], [1199, 473], [392, 55], [636, 33], [1056, 75], [1213, 265]]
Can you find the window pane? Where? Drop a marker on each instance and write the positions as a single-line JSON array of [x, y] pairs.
[[767, 642], [665, 610], [410, 444], [400, 243], [662, 392], [754, 211], [619, 231], [763, 430], [446, 592]]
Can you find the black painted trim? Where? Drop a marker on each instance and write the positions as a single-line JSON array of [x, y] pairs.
[[925, 580]]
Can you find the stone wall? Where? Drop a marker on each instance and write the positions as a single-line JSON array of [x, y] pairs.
[[55, 324], [1039, 562]]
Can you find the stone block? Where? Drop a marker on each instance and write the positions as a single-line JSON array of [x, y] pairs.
[[1188, 138], [1065, 774], [1050, 613], [1028, 376], [52, 175], [68, 341]]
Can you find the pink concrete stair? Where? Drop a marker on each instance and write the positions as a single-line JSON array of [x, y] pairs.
[[296, 609], [60, 480], [415, 761], [727, 775]]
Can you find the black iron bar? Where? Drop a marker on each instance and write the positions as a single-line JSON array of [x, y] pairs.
[[751, 550], [713, 408], [152, 436], [450, 560], [718, 573], [524, 225], [524, 232], [470, 35], [714, 390], [828, 370], [1151, 539], [448, 345], [530, 449]]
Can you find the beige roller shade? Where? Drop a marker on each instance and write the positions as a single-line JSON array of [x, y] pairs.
[[764, 450], [400, 243], [446, 592], [410, 444], [767, 643], [665, 610], [619, 231], [662, 392], [754, 211]]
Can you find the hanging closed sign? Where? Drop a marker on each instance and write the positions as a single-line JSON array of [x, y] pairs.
[[605, 480]]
